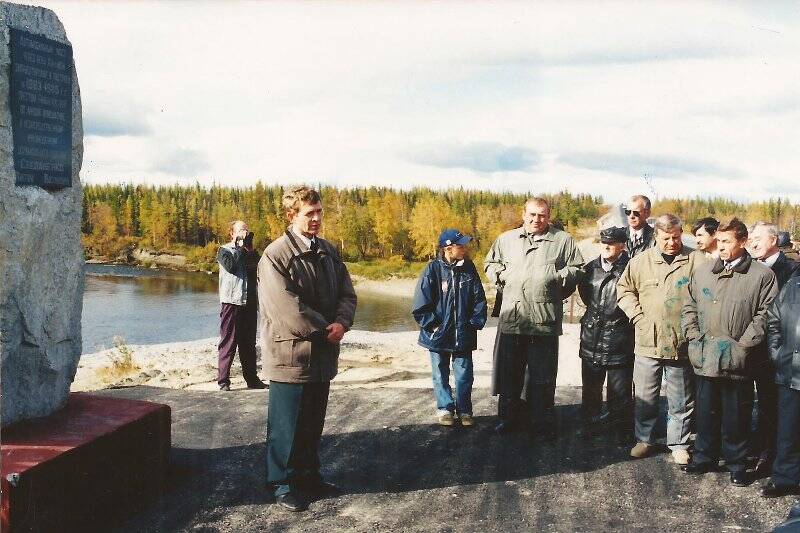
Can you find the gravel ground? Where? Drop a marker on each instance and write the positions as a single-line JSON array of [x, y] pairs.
[[400, 472]]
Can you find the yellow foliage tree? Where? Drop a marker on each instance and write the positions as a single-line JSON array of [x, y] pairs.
[[428, 218]]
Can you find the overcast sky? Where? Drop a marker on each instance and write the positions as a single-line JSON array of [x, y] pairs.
[[587, 96]]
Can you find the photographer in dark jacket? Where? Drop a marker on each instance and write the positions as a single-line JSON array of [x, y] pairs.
[[450, 307], [783, 339], [607, 336], [238, 298]]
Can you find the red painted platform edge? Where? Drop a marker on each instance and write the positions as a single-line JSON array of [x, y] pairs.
[[84, 418]]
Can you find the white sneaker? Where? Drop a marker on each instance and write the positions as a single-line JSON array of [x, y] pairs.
[[681, 457]]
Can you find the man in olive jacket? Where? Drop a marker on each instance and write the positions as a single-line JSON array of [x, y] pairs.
[[651, 292], [308, 303], [724, 320], [537, 265]]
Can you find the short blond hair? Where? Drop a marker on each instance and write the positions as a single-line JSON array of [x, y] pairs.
[[231, 225], [668, 223], [294, 197], [538, 200]]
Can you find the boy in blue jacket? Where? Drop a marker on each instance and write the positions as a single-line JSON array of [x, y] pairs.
[[450, 307]]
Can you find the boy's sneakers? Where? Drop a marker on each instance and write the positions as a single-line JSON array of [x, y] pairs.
[[466, 420], [445, 417]]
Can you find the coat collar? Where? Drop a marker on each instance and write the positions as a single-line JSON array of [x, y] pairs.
[[298, 247], [682, 256], [617, 268], [549, 235], [741, 267]]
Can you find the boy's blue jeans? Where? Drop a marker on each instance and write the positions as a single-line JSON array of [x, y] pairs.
[[462, 373]]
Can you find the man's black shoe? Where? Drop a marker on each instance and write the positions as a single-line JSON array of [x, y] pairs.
[[771, 490], [740, 478], [699, 468], [257, 384], [292, 501], [503, 428], [225, 387], [763, 467]]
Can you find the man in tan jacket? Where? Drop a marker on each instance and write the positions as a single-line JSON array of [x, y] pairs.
[[307, 303], [651, 292]]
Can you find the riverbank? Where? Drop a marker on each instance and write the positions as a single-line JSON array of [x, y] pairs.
[[368, 360]]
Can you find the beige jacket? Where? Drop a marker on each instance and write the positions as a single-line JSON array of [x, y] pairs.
[[652, 292], [294, 349]]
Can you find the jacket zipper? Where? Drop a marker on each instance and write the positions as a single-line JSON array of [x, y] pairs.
[[455, 304]]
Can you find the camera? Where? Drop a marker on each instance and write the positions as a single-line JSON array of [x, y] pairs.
[[248, 240]]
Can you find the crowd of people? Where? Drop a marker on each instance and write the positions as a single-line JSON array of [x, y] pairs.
[[716, 326]]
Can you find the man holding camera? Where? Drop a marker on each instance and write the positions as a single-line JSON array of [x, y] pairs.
[[238, 296]]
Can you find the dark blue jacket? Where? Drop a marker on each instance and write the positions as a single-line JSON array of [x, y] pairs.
[[450, 306]]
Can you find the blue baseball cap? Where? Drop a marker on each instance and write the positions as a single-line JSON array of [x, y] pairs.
[[452, 236]]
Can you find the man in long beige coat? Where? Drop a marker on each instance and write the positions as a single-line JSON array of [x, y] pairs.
[[651, 292], [307, 303]]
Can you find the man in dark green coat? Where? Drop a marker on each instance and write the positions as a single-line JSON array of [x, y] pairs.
[[724, 320]]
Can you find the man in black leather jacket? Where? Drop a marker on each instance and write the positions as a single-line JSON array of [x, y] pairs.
[[783, 339], [607, 336]]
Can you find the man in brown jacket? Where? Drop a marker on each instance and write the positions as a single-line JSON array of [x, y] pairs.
[[307, 303], [651, 292], [725, 320]]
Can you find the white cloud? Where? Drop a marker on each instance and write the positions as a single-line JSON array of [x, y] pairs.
[[365, 93]]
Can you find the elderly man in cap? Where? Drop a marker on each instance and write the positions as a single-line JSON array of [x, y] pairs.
[[763, 246], [606, 347], [651, 292], [641, 235], [538, 265], [450, 307]]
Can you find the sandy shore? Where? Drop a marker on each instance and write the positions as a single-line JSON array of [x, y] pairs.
[[368, 359]]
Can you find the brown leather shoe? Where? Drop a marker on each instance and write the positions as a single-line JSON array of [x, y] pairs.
[[641, 450]]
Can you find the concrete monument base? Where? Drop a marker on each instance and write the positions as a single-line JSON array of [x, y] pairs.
[[91, 463]]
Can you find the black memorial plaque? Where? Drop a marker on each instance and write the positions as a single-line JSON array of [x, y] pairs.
[[41, 110]]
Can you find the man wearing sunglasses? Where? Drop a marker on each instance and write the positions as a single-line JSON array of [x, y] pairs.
[[640, 233]]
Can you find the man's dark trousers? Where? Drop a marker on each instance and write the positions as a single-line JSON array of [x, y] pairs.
[[539, 354], [619, 393], [238, 325], [786, 468], [767, 429], [723, 406], [295, 418]]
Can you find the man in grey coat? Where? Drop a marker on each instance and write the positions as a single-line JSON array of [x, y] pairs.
[[725, 319], [308, 303], [537, 266]]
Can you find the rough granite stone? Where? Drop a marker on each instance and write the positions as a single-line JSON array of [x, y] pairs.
[[41, 258]]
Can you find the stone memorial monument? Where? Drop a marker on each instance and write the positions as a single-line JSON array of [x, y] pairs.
[[41, 258]]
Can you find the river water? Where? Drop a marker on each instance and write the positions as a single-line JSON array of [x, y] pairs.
[[148, 306]]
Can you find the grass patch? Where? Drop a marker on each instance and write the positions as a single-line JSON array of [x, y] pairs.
[[122, 364]]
